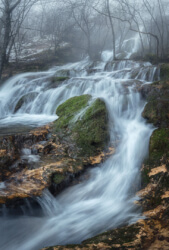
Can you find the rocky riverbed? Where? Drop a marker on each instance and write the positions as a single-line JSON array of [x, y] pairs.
[[152, 231], [54, 156]]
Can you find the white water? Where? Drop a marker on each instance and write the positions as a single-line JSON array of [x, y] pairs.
[[30, 158], [106, 199], [2, 185]]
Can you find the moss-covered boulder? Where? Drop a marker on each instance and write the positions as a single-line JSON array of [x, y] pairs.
[[25, 99], [69, 109], [164, 71], [158, 147], [157, 112], [85, 122], [155, 170], [158, 154], [160, 141], [59, 148], [157, 109]]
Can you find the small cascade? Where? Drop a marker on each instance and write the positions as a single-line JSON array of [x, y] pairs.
[[2, 185], [48, 204], [106, 199], [30, 99], [28, 156]]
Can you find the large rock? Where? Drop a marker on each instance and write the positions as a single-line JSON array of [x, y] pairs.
[[157, 109], [164, 71], [156, 166], [25, 99], [66, 148], [85, 123], [155, 170]]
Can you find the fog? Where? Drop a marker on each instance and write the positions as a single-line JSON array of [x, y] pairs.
[[89, 27]]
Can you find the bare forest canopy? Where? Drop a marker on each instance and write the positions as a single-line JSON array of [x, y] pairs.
[[88, 27]]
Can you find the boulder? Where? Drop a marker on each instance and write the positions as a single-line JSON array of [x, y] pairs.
[[164, 71], [25, 99], [157, 109], [85, 122], [66, 148]]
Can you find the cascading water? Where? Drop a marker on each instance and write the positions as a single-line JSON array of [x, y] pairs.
[[106, 199]]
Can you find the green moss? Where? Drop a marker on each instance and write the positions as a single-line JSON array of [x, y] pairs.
[[69, 109], [157, 109], [150, 112], [58, 178], [63, 73], [158, 149], [92, 130], [164, 71], [159, 141], [59, 79], [158, 155], [73, 105], [86, 124]]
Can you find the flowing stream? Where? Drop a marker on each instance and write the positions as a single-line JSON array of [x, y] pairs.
[[106, 199]]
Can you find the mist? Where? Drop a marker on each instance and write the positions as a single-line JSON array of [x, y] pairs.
[[88, 28]]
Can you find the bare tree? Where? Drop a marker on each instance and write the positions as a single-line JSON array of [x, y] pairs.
[[86, 23], [13, 13]]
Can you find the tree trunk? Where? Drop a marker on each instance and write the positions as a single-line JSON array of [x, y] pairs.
[[5, 42], [112, 30]]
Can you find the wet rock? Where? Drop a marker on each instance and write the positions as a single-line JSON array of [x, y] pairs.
[[129, 237], [62, 73], [154, 195], [56, 81], [59, 79], [164, 71], [25, 99], [58, 150], [84, 122], [157, 109]]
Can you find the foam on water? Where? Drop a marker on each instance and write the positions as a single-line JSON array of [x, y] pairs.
[[2, 185]]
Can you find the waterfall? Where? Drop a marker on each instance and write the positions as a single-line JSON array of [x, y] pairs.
[[106, 199]]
